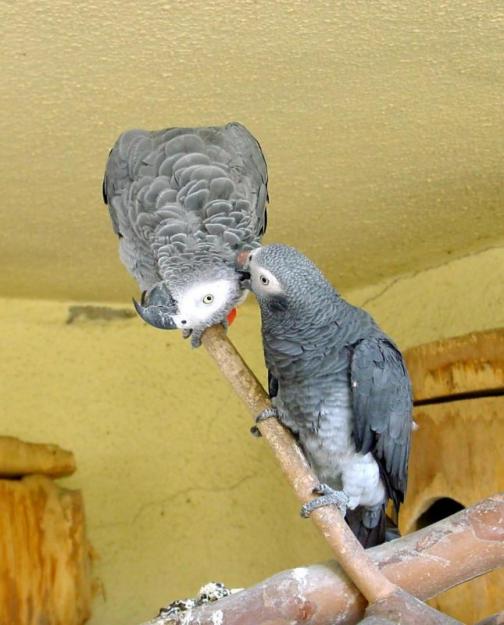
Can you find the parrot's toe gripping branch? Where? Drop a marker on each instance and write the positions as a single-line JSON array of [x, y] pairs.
[[196, 340], [195, 337], [328, 496], [267, 413]]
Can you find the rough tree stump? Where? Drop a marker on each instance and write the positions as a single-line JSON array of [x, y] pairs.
[[456, 458], [45, 563]]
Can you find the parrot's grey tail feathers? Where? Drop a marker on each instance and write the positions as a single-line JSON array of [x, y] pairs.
[[359, 524], [104, 191], [391, 530]]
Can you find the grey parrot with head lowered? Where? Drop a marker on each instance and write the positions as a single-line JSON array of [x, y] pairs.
[[338, 383], [182, 202]]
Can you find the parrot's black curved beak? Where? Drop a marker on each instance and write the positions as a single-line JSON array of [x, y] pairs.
[[157, 316], [244, 278], [157, 307], [241, 266]]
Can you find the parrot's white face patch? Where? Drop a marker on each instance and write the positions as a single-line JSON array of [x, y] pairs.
[[199, 303], [263, 281]]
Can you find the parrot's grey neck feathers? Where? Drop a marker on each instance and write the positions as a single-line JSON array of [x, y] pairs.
[[309, 308]]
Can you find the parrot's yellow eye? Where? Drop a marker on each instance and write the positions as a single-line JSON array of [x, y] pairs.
[[264, 280], [208, 299]]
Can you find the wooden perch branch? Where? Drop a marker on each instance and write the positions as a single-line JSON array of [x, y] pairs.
[[18, 458], [349, 554], [426, 563]]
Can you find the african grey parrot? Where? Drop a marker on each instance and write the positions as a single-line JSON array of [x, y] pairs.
[[183, 201], [338, 383]]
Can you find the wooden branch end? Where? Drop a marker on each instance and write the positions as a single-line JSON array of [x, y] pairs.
[[18, 458]]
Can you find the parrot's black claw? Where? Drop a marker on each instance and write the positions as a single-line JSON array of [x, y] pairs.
[[267, 413], [196, 339], [328, 497], [194, 336]]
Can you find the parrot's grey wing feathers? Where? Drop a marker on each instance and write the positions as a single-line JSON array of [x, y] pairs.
[[272, 385], [120, 186], [251, 166], [382, 403]]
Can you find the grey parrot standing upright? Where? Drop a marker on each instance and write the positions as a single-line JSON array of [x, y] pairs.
[[338, 383], [183, 201]]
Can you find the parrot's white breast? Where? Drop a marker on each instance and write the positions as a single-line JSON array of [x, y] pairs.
[[330, 449]]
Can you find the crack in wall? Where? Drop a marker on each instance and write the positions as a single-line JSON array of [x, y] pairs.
[[413, 274], [173, 496]]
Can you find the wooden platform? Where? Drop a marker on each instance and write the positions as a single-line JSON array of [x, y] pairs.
[[45, 564], [457, 453]]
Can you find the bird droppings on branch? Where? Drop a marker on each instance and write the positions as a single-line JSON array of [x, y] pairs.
[[180, 610]]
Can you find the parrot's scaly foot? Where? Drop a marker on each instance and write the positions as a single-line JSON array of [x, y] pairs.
[[328, 496], [267, 413]]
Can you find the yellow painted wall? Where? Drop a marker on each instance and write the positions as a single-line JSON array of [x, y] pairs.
[[454, 298], [381, 123], [177, 492]]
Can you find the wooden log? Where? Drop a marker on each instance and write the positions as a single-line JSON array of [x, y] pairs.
[[456, 452], [18, 458], [44, 556], [473, 363], [459, 548], [456, 457]]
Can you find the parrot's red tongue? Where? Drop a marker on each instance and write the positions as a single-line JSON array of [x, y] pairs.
[[231, 316]]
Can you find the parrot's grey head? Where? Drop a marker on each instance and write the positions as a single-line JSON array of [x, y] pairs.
[[193, 302], [284, 281]]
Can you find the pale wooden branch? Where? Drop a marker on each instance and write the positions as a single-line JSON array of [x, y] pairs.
[[18, 458], [348, 552], [426, 563]]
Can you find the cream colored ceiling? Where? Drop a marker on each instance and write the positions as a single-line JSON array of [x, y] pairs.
[[382, 123]]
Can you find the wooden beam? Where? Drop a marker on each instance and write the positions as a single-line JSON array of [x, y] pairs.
[[473, 363], [18, 458], [456, 452], [45, 560]]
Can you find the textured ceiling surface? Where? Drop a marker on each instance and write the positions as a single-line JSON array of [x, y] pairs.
[[382, 124]]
